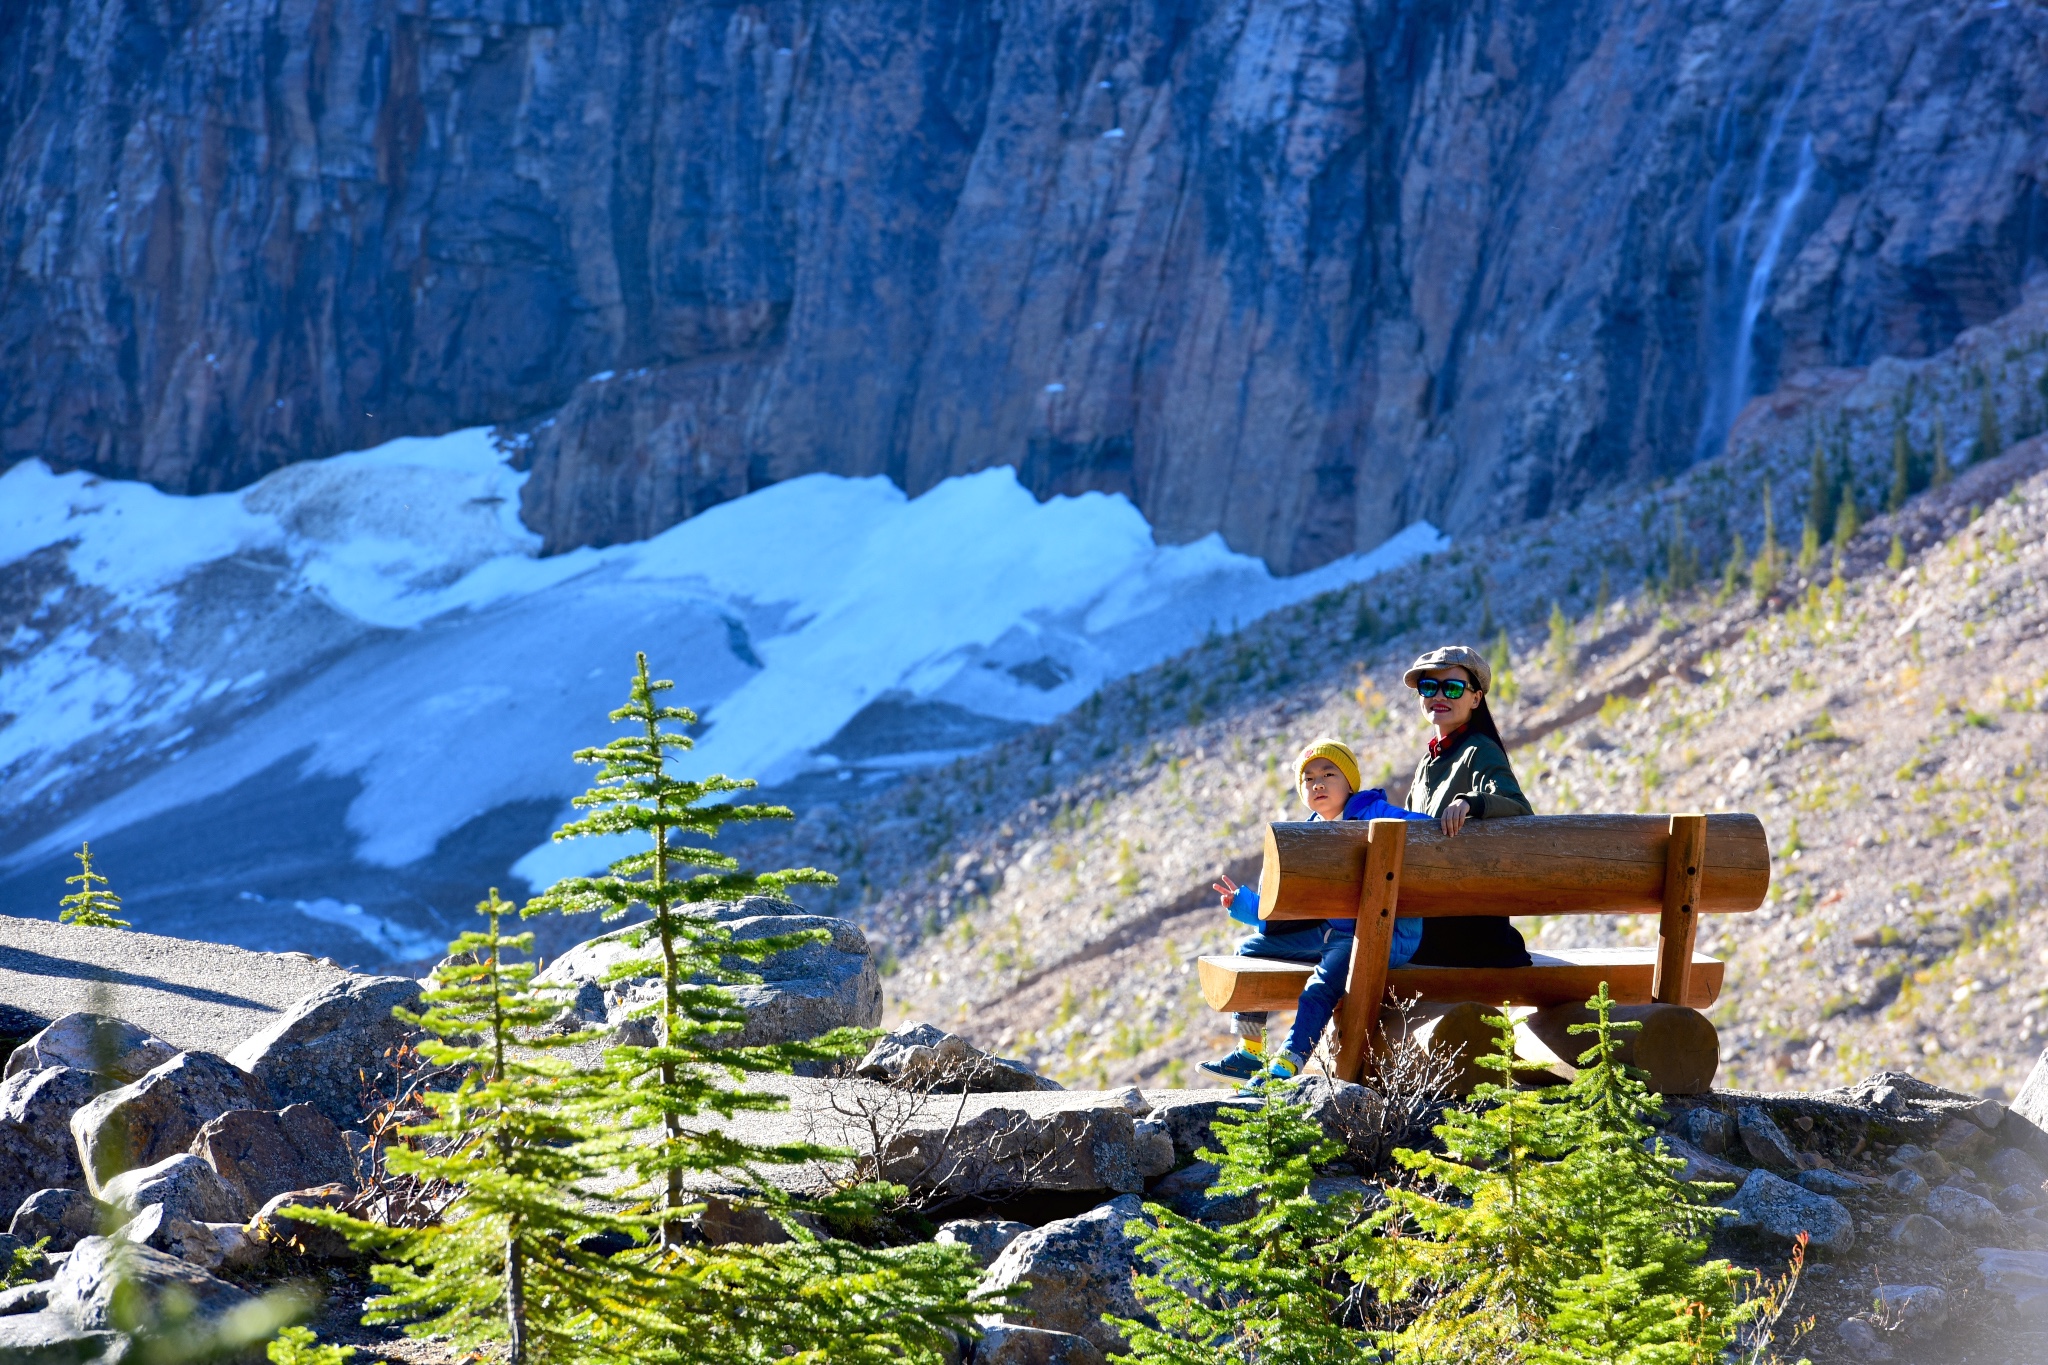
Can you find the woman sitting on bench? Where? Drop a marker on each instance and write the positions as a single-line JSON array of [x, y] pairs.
[[1464, 776]]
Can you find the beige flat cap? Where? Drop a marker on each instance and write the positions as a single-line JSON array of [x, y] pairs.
[[1452, 656]]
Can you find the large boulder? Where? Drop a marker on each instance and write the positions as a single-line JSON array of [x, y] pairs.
[[802, 993], [145, 1121], [36, 1150], [1764, 1140], [93, 1042], [183, 1186], [984, 1238], [59, 1218], [260, 1154], [333, 1046], [1003, 1344], [1779, 1210], [83, 1290], [1350, 1114], [274, 1226], [1077, 1270], [1190, 1124], [1004, 1151], [2020, 1277], [1960, 1210], [927, 1057], [49, 1337]]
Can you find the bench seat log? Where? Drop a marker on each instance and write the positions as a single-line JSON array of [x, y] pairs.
[[1558, 976], [1527, 865]]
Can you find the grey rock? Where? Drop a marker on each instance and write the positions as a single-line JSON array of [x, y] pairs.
[[1709, 1130], [1862, 1340], [1907, 1183], [2015, 1198], [49, 1337], [83, 1289], [59, 1217], [2011, 1166], [332, 1047], [984, 1237], [2020, 1276], [190, 1240], [1191, 1123], [1987, 1114], [802, 993], [36, 1150], [1778, 1209], [1916, 1232], [25, 1298], [1824, 1181], [1004, 1344], [1700, 1165], [1930, 1164], [145, 1121], [1962, 1141], [1325, 1188], [1005, 1151], [1134, 1100], [1764, 1140], [1917, 1308], [1187, 1192], [1078, 1270], [183, 1185], [260, 1154], [1350, 1114], [1962, 1211], [93, 1042], [274, 1226], [726, 1223], [928, 1057], [1154, 1148]]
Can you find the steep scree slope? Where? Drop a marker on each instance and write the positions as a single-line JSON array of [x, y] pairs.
[[1300, 273], [1888, 726]]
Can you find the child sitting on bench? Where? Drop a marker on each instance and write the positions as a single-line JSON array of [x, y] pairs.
[[1326, 775]]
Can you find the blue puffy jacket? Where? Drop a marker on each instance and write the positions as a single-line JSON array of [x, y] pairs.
[[1371, 804]]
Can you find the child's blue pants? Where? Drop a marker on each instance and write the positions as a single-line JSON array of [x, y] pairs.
[[1317, 941]]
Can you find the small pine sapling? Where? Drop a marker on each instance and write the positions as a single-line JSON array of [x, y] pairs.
[[1896, 560], [1731, 572], [1942, 472], [300, 1346], [1990, 441], [659, 1108], [92, 906], [1902, 469], [1564, 650], [1265, 1289], [1763, 573], [503, 1267], [1505, 688]]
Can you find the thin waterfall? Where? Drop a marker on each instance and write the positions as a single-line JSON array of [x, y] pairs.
[[1729, 379]]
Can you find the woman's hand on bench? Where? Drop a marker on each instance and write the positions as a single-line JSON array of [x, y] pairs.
[[1454, 817]]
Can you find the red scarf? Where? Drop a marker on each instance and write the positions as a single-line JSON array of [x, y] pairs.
[[1443, 744]]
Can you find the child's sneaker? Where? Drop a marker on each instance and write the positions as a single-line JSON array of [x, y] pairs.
[[1240, 1065], [1285, 1066]]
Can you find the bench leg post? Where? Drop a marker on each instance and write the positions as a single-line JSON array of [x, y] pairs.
[[1358, 1014], [1684, 861]]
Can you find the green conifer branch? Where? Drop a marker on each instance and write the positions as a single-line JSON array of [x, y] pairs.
[[91, 906]]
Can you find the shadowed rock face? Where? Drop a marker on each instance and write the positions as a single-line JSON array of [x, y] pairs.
[[1297, 273]]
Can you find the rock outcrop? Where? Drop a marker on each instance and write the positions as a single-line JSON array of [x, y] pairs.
[[1076, 1270], [114, 1048], [158, 1116], [335, 1049], [36, 1149], [927, 1056], [259, 1154], [1297, 274], [802, 993]]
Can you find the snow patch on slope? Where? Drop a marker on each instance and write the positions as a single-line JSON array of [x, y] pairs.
[[451, 670]]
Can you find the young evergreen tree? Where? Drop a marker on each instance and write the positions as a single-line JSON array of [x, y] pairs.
[[1990, 442], [1896, 560], [1763, 573], [1809, 546], [1731, 572], [1942, 473], [90, 905], [1266, 1289], [1902, 469], [1564, 651], [1559, 1236], [1505, 688], [1847, 520], [1820, 492], [1682, 561], [504, 1268], [657, 1108]]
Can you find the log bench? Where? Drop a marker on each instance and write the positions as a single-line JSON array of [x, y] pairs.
[[1677, 867]]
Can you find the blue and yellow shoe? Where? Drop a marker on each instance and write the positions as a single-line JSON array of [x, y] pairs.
[[1240, 1065], [1284, 1067]]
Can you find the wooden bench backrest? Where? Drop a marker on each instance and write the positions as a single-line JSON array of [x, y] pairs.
[[1529, 865]]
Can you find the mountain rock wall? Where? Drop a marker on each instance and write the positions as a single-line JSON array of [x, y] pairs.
[[1295, 270]]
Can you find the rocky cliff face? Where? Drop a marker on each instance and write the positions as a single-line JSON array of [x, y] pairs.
[[1295, 271]]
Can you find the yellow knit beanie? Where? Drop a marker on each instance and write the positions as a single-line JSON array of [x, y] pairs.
[[1334, 749]]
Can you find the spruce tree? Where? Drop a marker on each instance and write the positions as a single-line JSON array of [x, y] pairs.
[[90, 905], [1763, 573], [1990, 442], [504, 1267], [1505, 688], [1820, 492], [1268, 1288], [1902, 469], [1942, 472], [1564, 651], [1731, 572], [658, 1108], [1847, 522]]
